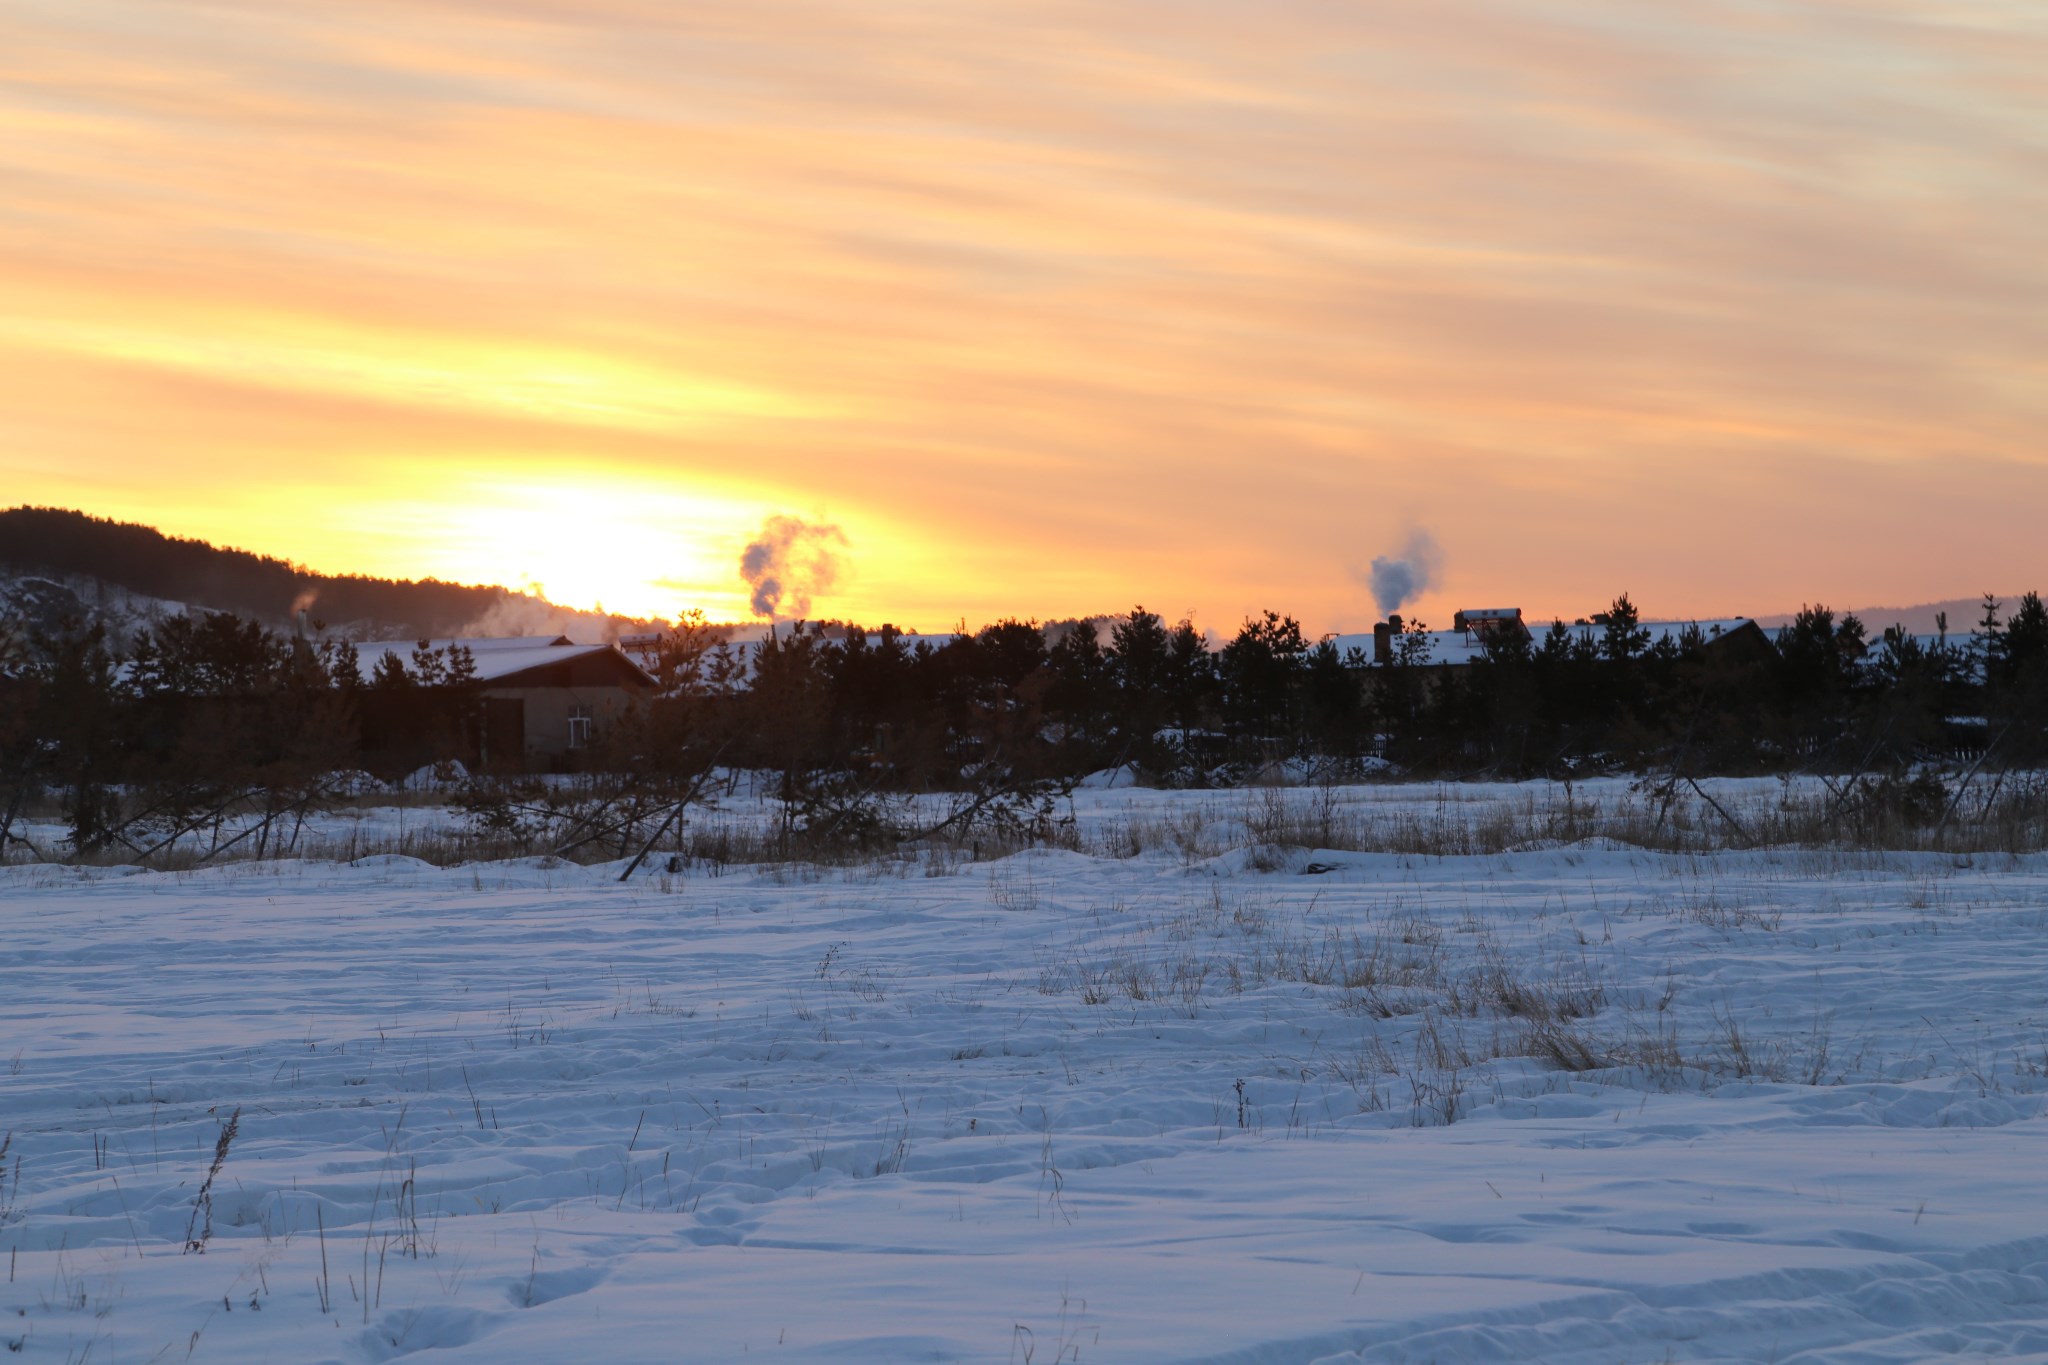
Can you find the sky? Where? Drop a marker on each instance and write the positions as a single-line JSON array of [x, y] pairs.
[[1050, 307]]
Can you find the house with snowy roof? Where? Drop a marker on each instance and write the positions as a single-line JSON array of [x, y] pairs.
[[543, 698], [1472, 630]]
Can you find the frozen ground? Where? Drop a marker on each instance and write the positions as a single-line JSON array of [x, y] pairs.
[[1118, 820], [1580, 1104]]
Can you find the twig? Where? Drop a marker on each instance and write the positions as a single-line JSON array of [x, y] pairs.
[[202, 1204], [473, 1103], [674, 813], [1964, 785], [1722, 810], [326, 1285]]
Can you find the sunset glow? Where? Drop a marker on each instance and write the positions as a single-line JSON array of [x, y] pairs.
[[1052, 307]]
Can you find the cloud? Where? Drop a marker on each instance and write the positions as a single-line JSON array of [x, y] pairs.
[[1050, 284]]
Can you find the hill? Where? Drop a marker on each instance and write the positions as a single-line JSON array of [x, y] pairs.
[[1963, 613], [56, 560]]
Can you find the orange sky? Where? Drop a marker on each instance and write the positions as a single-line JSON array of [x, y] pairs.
[[1051, 306]]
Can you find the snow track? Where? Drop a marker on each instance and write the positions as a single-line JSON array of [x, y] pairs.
[[1053, 1107]]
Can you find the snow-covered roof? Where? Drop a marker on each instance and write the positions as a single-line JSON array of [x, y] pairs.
[[496, 656], [742, 652], [1459, 647]]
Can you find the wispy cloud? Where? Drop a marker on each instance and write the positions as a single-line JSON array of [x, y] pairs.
[[1081, 301]]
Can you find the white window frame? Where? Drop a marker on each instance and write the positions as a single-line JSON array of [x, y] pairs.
[[582, 727]]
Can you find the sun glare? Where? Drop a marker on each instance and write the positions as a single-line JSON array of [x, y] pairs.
[[632, 548]]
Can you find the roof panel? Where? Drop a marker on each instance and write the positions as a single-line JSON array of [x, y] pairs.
[[496, 657]]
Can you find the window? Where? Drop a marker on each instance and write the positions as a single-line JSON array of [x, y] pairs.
[[582, 727]]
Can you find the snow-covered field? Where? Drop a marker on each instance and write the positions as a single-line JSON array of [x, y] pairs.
[[1577, 1103]]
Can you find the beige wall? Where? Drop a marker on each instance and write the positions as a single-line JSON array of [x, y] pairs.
[[547, 712]]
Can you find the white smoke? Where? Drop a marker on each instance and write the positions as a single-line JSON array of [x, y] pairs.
[[789, 562], [526, 614], [1395, 579]]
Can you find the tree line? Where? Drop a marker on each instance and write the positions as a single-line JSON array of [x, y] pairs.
[[202, 717], [1181, 708], [206, 713]]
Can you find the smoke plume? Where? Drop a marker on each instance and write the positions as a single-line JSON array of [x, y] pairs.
[[788, 562], [1395, 579], [523, 613]]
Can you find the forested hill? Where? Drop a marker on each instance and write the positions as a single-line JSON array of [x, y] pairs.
[[65, 544]]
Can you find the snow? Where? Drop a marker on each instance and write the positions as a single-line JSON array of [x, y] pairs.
[[494, 658], [1163, 1107], [432, 777], [46, 601], [1461, 647]]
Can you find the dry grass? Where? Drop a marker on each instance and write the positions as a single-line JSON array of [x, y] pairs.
[[1429, 1006], [2000, 815], [599, 819]]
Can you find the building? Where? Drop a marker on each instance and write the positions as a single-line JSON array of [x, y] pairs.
[[1735, 637], [1490, 622], [543, 697]]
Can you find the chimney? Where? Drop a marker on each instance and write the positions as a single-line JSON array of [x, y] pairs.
[[1382, 644], [299, 623]]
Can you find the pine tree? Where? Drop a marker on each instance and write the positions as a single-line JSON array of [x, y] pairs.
[[1140, 684], [2025, 644], [1624, 637], [1987, 641], [1190, 674], [1259, 669]]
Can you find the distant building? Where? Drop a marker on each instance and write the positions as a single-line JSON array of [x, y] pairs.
[[544, 698], [1736, 637]]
